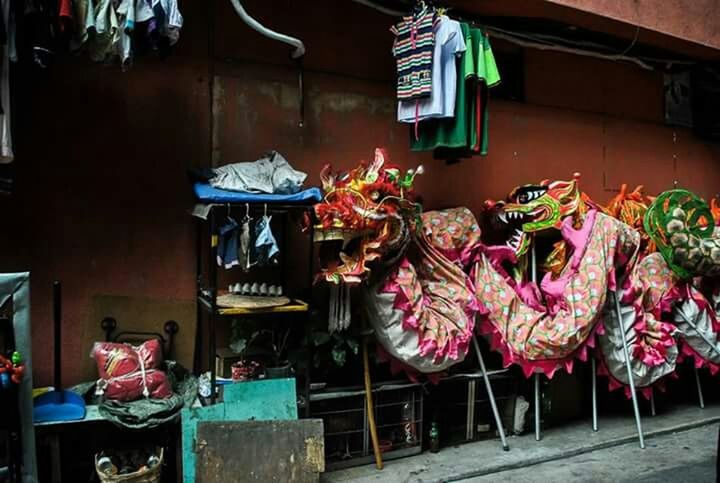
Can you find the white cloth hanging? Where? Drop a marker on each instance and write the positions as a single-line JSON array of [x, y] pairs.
[[8, 52]]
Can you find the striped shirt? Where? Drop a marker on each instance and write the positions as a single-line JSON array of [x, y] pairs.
[[413, 51]]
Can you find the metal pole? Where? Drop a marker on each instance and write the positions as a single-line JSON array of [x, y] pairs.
[[533, 278], [491, 396], [212, 288], [626, 351], [594, 396], [652, 402], [699, 389]]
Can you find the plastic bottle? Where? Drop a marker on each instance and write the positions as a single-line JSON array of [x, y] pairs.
[[434, 438], [408, 420]]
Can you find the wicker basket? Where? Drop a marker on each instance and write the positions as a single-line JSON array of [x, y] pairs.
[[147, 476]]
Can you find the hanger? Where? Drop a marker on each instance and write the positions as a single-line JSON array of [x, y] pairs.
[[265, 210]]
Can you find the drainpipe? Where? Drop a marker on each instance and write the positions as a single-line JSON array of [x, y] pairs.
[[297, 53]]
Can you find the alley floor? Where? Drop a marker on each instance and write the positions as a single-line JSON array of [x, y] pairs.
[[682, 457], [571, 453]]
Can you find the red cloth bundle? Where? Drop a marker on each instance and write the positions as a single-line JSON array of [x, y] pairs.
[[131, 387], [130, 372]]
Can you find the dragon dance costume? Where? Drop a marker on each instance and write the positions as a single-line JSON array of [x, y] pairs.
[[429, 282]]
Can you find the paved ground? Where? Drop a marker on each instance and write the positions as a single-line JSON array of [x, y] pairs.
[[566, 453], [687, 456]]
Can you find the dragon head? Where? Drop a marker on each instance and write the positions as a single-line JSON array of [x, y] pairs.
[[537, 207], [630, 208], [682, 226], [363, 217]]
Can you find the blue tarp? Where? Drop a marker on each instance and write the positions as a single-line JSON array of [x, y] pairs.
[[206, 193]]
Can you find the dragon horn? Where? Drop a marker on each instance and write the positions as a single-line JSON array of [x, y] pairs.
[[327, 177]]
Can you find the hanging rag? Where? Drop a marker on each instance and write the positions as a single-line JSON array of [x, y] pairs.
[[227, 251], [339, 310], [243, 247], [265, 248]]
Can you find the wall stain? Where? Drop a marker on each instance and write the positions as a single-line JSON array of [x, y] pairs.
[[345, 102], [315, 454]]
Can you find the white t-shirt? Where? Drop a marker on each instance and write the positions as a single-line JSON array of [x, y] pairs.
[[449, 43]]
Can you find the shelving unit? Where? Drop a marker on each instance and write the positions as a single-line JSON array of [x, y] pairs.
[[399, 416], [461, 405], [207, 281]]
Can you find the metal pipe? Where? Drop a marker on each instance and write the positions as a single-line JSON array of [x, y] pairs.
[[380, 8], [594, 396], [652, 402], [537, 407], [701, 400], [491, 396], [626, 352], [533, 278], [299, 50]]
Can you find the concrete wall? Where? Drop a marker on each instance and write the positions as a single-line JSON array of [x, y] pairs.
[[693, 20], [102, 194]]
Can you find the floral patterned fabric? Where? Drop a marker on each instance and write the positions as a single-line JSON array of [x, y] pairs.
[[431, 288], [539, 340]]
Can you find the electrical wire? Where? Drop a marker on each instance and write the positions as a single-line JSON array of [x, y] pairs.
[[554, 43]]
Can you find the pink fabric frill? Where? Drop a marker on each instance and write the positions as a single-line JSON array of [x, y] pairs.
[[456, 343]]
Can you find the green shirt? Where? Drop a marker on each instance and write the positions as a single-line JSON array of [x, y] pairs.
[[478, 71], [450, 132]]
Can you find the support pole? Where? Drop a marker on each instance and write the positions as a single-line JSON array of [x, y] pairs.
[[538, 436], [370, 410], [491, 396], [594, 396], [538, 403], [652, 402], [626, 352], [701, 400]]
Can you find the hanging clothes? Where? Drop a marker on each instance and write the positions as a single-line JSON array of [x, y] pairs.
[[449, 44], [227, 249], [452, 133], [413, 51], [6, 148], [487, 76], [119, 29], [39, 23], [265, 249], [65, 15], [467, 133]]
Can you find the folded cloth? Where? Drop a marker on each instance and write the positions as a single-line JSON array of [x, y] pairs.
[[269, 174]]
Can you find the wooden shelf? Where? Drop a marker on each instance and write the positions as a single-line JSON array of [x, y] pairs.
[[294, 306]]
